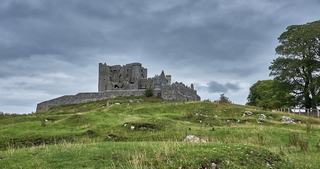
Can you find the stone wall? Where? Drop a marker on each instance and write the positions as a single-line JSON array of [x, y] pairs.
[[87, 97], [116, 77], [179, 91], [176, 91]]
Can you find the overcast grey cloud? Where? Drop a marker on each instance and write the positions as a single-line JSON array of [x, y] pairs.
[[215, 87], [52, 48]]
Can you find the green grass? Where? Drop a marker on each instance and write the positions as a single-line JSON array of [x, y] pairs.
[[142, 155], [93, 135]]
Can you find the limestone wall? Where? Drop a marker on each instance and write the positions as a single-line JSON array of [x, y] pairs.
[[86, 97], [179, 91], [175, 91]]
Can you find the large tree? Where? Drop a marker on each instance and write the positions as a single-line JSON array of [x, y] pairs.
[[299, 62], [270, 94]]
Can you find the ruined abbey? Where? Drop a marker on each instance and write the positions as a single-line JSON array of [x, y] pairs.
[[127, 80]]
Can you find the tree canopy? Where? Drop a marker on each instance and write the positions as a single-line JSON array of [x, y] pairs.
[[223, 99], [269, 94], [299, 62]]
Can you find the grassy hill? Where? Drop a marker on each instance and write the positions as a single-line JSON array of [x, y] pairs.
[[139, 132]]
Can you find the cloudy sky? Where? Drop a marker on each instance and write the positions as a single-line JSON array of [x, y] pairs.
[[50, 48]]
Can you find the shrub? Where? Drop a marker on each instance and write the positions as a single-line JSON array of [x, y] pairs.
[[223, 99], [149, 92]]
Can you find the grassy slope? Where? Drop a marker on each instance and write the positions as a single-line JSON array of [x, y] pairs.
[[95, 136]]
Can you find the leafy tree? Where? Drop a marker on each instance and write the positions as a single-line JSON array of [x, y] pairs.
[[223, 99], [270, 94], [299, 62]]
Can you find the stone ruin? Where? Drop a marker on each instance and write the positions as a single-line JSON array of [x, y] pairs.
[[127, 80], [129, 77]]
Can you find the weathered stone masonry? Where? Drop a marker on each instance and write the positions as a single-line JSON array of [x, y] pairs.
[[128, 80], [86, 97]]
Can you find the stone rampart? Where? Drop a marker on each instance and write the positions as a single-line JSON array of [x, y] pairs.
[[86, 97], [179, 91]]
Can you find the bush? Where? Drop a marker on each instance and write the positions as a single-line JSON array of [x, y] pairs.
[[149, 92], [223, 99]]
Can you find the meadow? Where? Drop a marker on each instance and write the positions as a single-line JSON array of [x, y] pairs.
[[141, 132]]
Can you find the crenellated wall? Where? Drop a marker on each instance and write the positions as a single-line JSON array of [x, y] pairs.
[[179, 91]]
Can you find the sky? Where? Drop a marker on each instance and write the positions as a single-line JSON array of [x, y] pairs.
[[52, 48]]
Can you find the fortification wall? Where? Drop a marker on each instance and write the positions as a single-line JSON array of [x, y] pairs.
[[179, 91], [87, 97]]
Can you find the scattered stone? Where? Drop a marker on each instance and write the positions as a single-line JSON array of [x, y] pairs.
[[247, 113], [132, 127], [193, 138], [229, 121], [111, 136], [213, 165], [125, 124], [287, 119], [46, 120], [262, 117], [268, 164], [89, 132], [259, 122], [107, 104], [203, 115], [200, 121], [238, 121], [270, 117], [131, 101], [116, 103]]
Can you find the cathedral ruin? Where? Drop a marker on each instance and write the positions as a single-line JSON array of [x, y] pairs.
[[128, 77], [127, 80]]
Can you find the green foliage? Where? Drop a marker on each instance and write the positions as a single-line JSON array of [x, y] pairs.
[[299, 64], [309, 127], [270, 94], [223, 99], [296, 140], [149, 92]]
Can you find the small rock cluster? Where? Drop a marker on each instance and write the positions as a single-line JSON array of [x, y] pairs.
[[287, 119], [262, 117], [193, 138], [247, 113], [141, 126]]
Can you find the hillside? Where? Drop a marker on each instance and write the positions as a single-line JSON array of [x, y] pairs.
[[139, 132]]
